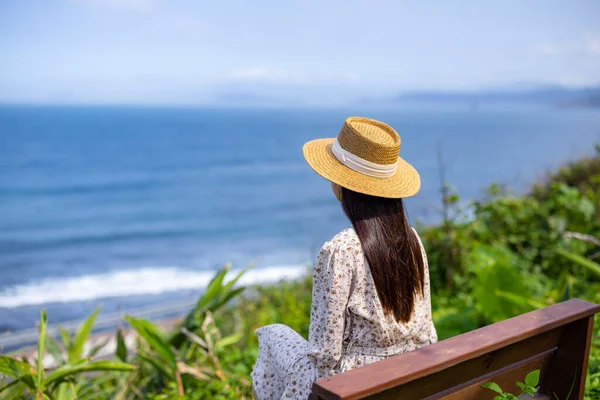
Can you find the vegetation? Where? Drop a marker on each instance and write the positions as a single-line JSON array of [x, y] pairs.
[[530, 251], [528, 387], [62, 382]]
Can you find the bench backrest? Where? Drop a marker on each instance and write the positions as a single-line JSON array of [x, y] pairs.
[[555, 339]]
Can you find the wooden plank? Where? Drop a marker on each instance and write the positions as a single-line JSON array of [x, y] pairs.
[[377, 377], [586, 356], [569, 367], [506, 378], [501, 366]]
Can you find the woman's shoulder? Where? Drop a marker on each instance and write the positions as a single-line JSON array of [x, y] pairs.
[[340, 251], [415, 232], [417, 236], [348, 239], [349, 235], [345, 239]]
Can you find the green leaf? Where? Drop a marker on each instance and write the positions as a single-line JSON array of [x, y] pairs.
[[454, 321], [146, 325], [496, 268], [228, 297], [591, 266], [8, 386], [13, 390], [19, 370], [101, 395], [82, 335], [565, 288], [530, 390], [121, 347], [215, 295], [89, 388], [229, 340], [94, 350], [157, 364], [151, 334], [65, 391], [15, 368], [54, 349], [232, 282], [492, 386], [81, 361], [533, 378], [499, 398], [214, 288], [521, 385], [65, 336], [68, 369], [519, 300], [41, 350]]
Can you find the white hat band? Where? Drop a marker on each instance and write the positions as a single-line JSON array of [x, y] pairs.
[[361, 165]]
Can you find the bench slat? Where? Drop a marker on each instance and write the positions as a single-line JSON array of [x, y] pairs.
[[398, 370], [505, 377], [488, 366], [569, 366]]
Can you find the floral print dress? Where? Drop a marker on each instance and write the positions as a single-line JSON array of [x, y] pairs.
[[348, 328]]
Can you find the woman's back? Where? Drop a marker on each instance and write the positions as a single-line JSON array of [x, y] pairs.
[[369, 334]]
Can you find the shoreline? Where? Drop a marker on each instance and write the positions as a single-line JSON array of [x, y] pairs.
[[105, 326]]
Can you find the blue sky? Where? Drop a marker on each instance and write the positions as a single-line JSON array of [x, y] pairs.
[[186, 51]]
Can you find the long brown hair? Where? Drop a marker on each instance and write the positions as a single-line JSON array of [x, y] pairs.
[[391, 249]]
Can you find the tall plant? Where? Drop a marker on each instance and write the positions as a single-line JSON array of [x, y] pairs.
[[35, 382], [192, 351]]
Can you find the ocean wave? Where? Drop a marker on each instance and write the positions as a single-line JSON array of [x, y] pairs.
[[145, 281], [78, 189], [22, 246]]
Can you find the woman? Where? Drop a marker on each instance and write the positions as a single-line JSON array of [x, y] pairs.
[[371, 296]]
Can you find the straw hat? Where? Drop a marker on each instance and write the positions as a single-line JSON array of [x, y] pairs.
[[364, 158]]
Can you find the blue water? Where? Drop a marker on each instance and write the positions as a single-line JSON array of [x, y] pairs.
[[134, 206]]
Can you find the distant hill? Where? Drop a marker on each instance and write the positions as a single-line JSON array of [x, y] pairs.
[[549, 95]]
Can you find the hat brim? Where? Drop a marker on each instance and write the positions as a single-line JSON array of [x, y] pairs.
[[405, 183]]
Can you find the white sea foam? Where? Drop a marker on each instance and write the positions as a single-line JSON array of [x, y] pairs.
[[143, 281]]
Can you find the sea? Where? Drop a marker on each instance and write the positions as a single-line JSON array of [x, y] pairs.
[[137, 207]]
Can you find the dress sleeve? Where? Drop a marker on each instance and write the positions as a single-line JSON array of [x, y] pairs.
[[432, 333], [332, 279]]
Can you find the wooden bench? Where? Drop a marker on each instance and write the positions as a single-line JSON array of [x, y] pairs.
[[554, 339]]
